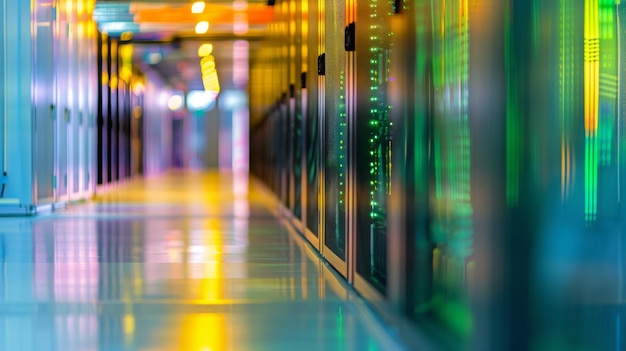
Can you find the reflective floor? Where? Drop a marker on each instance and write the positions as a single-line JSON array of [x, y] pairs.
[[186, 261]]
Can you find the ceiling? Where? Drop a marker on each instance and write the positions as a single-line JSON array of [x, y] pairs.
[[164, 35]]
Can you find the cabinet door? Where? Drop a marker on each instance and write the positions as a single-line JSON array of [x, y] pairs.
[[373, 143], [335, 139], [44, 100]]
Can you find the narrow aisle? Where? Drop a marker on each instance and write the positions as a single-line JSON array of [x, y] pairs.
[[186, 261]]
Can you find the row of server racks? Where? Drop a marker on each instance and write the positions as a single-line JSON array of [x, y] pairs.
[[120, 112], [47, 104], [74, 107], [459, 162]]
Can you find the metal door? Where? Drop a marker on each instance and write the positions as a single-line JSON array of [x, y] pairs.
[[44, 102]]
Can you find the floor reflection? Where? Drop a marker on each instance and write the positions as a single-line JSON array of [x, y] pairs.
[[183, 262]]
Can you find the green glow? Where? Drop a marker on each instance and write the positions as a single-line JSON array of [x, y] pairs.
[[340, 325], [513, 123], [379, 123], [452, 225], [599, 143], [567, 88], [591, 165], [339, 232], [608, 81], [591, 178]]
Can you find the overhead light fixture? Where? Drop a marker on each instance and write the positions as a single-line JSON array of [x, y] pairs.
[[176, 102], [200, 100], [202, 27], [197, 7], [205, 50]]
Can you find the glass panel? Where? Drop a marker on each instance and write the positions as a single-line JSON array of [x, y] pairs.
[[335, 133], [311, 118], [312, 172], [297, 130], [373, 140]]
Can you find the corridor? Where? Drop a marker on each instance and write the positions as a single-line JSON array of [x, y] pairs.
[[182, 261]]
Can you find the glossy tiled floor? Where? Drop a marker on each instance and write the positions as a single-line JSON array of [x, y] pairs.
[[179, 262]]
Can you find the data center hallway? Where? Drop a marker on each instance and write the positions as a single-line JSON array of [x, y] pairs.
[[185, 261]]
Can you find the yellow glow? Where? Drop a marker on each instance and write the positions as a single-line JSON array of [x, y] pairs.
[[198, 7], [592, 66], [126, 52], [81, 29], [91, 30], [126, 73], [175, 102], [207, 64], [90, 6], [129, 324], [211, 82], [137, 113], [202, 27], [208, 67], [208, 58], [113, 82], [205, 50], [203, 332]]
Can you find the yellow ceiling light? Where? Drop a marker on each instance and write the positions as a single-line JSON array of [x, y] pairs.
[[197, 7], [205, 50], [202, 27]]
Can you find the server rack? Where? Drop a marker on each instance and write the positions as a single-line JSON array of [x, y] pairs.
[[483, 152]]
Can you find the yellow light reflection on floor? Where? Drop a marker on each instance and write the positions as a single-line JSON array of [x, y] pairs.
[[128, 323], [203, 332], [212, 287]]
